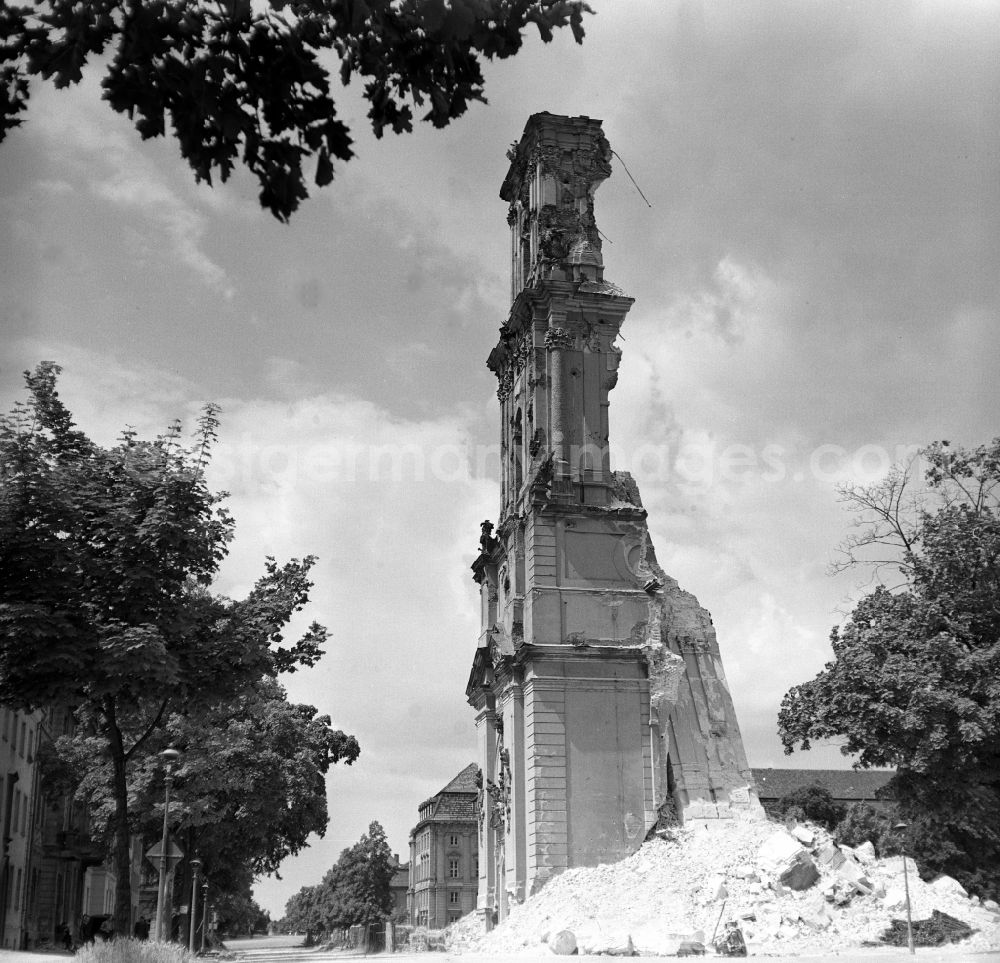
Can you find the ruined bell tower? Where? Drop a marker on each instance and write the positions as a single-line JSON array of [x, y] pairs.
[[601, 703]]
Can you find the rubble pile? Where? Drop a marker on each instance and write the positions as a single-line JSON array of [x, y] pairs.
[[792, 891]]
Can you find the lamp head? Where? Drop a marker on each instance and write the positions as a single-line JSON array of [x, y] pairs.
[[196, 864], [170, 755], [900, 826]]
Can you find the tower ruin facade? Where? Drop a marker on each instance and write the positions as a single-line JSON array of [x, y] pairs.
[[600, 698]]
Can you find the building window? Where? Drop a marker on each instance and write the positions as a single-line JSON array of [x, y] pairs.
[[453, 872], [453, 897], [453, 840], [454, 917]]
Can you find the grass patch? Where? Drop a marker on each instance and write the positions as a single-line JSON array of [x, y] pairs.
[[133, 951]]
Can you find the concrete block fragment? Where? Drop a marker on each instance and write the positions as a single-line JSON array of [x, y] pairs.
[[865, 853], [563, 943], [992, 905], [804, 835], [947, 886], [777, 848], [895, 898], [816, 919], [850, 871], [829, 856]]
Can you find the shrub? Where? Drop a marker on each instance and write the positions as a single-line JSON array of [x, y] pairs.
[[863, 823], [814, 803], [133, 951]]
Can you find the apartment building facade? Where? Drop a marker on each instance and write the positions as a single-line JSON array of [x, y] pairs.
[[444, 854]]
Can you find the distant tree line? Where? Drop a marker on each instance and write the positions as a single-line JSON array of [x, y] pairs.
[[356, 889]]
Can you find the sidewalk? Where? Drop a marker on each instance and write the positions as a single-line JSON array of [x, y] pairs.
[[39, 956]]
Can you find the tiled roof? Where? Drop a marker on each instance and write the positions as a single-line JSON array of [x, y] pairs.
[[846, 784], [465, 781], [455, 806], [456, 802]]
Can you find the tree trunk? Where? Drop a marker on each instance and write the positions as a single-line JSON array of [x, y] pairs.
[[122, 863]]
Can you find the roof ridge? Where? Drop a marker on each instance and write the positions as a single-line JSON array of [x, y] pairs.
[[465, 781]]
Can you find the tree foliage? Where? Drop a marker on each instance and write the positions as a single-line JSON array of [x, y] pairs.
[[914, 679], [246, 83], [303, 913], [354, 890], [249, 787], [105, 560], [239, 915], [813, 803], [863, 823], [251, 784]]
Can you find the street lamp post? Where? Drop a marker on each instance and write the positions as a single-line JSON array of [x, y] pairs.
[[899, 827], [169, 757], [204, 915], [195, 866]]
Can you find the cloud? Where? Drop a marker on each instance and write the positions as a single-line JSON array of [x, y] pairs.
[[103, 393], [391, 507], [137, 186], [118, 169], [815, 290]]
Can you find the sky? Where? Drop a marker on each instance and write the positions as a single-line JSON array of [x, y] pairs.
[[817, 288]]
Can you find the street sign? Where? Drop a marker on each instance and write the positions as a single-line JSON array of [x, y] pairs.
[[174, 854]]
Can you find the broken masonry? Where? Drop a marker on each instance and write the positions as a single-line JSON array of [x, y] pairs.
[[602, 708]]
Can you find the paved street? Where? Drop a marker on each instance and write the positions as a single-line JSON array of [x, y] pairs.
[[283, 949], [286, 949]]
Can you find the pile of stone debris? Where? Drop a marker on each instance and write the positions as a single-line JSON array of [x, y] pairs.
[[793, 891]]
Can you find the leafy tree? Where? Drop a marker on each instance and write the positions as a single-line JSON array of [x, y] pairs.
[[303, 913], [244, 83], [249, 788], [356, 888], [105, 559], [239, 915], [813, 803], [913, 681], [251, 782]]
